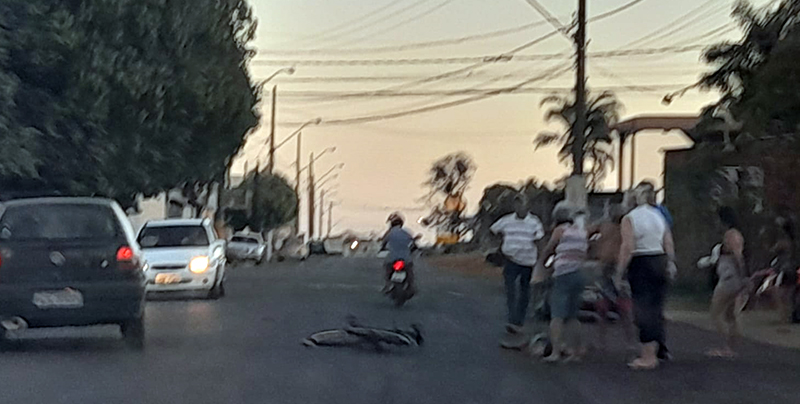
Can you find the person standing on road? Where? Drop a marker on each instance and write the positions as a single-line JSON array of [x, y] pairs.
[[606, 244], [732, 273], [520, 230], [647, 255], [569, 243]]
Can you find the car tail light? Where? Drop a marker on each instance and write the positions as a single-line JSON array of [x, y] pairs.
[[126, 260], [399, 265], [124, 254]]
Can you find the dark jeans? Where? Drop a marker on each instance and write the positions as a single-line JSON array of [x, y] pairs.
[[518, 291], [648, 279]]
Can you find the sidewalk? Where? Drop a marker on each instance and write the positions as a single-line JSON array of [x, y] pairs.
[[757, 325]]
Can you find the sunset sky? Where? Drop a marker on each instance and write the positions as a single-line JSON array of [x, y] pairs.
[[386, 161]]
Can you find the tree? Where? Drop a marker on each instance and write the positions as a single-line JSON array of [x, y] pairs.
[[122, 97], [448, 178], [758, 75], [602, 112], [498, 201], [274, 203]]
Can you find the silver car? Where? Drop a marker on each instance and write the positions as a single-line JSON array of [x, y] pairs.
[[183, 255], [247, 247]]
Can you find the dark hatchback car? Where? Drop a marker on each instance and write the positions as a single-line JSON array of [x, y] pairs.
[[70, 262]]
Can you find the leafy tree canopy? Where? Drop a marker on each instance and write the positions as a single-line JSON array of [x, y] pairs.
[[274, 203], [759, 75], [120, 97], [602, 112]]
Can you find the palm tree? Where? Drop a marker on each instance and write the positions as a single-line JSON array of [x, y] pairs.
[[602, 113]]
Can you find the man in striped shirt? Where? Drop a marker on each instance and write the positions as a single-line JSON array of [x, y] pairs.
[[520, 230]]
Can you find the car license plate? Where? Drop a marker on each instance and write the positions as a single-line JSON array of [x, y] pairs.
[[58, 299], [167, 279], [398, 276]]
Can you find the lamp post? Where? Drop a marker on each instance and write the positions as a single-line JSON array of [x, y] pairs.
[[298, 132], [312, 191], [289, 71], [297, 177]]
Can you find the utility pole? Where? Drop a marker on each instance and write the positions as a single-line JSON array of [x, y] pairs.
[[576, 186], [330, 218], [311, 217], [271, 165], [580, 90], [297, 182], [321, 212], [254, 201]]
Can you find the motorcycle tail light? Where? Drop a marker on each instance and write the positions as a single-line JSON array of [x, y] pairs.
[[399, 265]]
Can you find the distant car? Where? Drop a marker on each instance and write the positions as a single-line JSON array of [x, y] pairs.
[[293, 248], [247, 247], [183, 255], [70, 262], [316, 248]]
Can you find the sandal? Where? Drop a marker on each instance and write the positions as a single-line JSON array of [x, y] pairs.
[[721, 353], [640, 364], [553, 358]]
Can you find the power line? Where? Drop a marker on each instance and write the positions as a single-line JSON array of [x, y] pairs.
[[475, 75], [362, 27], [349, 23], [475, 91], [509, 57], [679, 20], [550, 18], [413, 45], [411, 19], [518, 49], [436, 107], [616, 10], [438, 43]]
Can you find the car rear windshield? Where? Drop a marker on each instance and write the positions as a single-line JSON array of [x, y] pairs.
[[59, 222], [173, 236], [247, 240]]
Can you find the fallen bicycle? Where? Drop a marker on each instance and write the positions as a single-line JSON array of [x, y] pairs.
[[356, 335]]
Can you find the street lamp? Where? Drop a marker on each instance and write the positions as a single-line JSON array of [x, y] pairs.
[[312, 190], [273, 147], [336, 167], [297, 176], [289, 71], [286, 70]]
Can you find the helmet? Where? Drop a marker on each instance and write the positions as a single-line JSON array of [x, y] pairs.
[[395, 219]]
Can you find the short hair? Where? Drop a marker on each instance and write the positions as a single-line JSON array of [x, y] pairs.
[[562, 214], [646, 191]]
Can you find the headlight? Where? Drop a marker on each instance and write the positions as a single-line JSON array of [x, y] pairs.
[[198, 265]]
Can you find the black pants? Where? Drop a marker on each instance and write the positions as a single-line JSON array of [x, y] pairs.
[[647, 275], [518, 291]]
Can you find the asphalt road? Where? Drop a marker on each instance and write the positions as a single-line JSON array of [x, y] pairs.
[[246, 348]]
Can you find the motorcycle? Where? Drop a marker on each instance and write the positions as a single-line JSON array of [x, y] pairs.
[[400, 283], [771, 280]]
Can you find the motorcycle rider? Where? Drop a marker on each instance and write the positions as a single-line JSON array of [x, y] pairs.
[[399, 243]]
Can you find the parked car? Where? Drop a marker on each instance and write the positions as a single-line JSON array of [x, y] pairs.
[[70, 262], [293, 248], [183, 255], [247, 247]]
